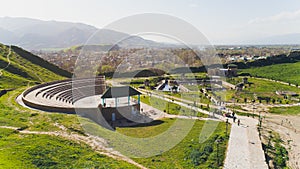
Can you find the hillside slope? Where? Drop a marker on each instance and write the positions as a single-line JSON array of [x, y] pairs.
[[287, 72], [18, 67], [28, 138]]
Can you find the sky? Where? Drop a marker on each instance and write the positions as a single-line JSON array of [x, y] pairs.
[[221, 21]]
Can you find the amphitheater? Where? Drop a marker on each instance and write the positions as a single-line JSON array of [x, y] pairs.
[[86, 97]]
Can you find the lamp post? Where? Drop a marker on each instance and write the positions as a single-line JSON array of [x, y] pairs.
[[168, 103], [253, 108], [227, 126], [168, 108], [218, 141], [260, 120]]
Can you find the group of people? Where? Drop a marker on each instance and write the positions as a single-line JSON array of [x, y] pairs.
[[234, 119]]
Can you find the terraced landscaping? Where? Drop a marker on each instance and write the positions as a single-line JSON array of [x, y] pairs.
[[260, 88]]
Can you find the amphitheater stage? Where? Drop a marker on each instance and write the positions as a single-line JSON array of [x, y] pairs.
[[94, 101]]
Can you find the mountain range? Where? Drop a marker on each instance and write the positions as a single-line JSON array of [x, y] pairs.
[[288, 39], [34, 34]]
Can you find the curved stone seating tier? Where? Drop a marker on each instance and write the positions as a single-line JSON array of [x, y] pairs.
[[52, 92], [50, 87], [55, 89], [73, 95], [61, 95]]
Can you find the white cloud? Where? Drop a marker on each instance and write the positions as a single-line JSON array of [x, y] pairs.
[[283, 16]]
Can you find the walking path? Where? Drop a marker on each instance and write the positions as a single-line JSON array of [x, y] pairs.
[[228, 85], [244, 147]]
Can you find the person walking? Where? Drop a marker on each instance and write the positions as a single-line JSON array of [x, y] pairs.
[[238, 122]]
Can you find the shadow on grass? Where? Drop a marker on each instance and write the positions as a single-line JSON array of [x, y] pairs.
[[153, 123]]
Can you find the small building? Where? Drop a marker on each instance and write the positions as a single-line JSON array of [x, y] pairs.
[[117, 104], [231, 71], [245, 80]]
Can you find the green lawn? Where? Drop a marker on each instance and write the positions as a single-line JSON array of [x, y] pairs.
[[147, 130], [288, 72], [43, 151], [169, 107], [191, 96], [12, 114], [9, 81], [189, 153], [175, 143]]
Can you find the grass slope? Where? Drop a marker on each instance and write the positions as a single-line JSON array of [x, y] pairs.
[[189, 153], [41, 62], [43, 151], [193, 151], [288, 72], [22, 70]]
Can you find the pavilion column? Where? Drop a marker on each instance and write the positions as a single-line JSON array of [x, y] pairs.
[[116, 102], [103, 101], [139, 99], [128, 100]]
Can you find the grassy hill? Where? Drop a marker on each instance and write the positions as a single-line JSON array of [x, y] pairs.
[[287, 72], [40, 62], [19, 67]]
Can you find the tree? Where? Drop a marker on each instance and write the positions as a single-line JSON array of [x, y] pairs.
[[106, 68]]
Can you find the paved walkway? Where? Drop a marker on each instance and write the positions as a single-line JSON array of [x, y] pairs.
[[244, 147]]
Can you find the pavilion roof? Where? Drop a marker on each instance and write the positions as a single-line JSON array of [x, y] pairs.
[[120, 91]]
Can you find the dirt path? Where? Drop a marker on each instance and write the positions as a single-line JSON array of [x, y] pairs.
[[9, 53], [96, 143], [288, 127]]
